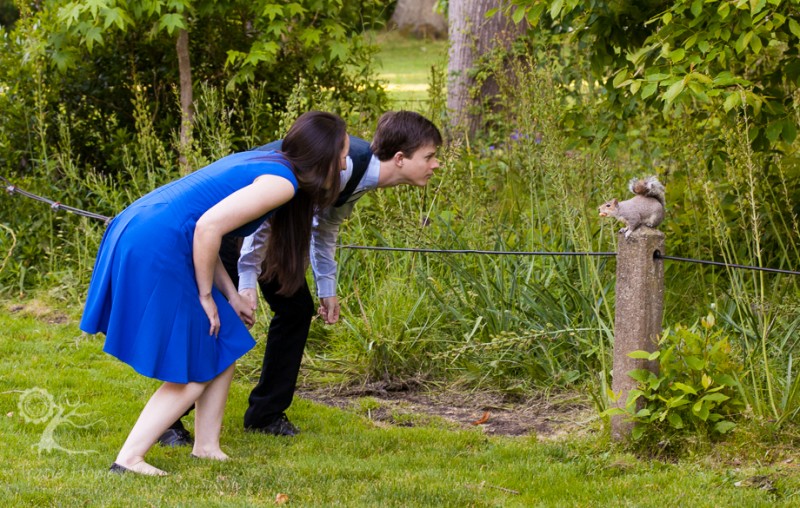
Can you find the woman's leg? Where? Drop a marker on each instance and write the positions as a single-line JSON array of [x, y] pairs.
[[166, 405], [209, 409]]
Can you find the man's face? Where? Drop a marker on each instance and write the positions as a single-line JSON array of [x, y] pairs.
[[418, 168]]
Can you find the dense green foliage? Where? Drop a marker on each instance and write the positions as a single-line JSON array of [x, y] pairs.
[[707, 59], [82, 63], [696, 388]]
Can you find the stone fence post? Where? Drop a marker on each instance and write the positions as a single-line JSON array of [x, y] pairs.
[[638, 313]]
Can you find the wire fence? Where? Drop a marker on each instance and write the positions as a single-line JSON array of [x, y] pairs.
[[57, 206]]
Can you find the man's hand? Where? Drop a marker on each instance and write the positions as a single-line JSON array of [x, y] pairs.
[[242, 306], [329, 309], [251, 297]]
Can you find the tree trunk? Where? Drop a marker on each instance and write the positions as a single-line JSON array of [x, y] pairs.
[[418, 18], [472, 35], [187, 107]]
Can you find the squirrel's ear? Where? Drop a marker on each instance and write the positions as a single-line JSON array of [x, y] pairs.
[[615, 201]]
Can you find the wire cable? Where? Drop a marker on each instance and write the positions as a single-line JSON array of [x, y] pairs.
[[55, 205]]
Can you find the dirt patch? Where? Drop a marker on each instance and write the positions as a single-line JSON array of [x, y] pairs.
[[40, 311], [546, 418]]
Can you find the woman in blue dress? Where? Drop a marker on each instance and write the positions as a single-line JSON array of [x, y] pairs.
[[161, 296]]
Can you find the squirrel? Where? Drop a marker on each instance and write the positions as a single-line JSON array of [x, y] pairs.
[[646, 207]]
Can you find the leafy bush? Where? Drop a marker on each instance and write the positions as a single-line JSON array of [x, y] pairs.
[[695, 391]]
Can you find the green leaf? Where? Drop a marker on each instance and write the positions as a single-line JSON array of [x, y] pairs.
[[632, 396], [725, 379], [118, 17], [649, 89], [774, 131], [695, 363], [95, 6], [339, 50], [555, 8], [756, 44], [700, 77], [93, 35], [755, 101], [675, 420], [272, 11], [700, 409], [733, 100], [71, 13], [491, 12], [171, 21], [724, 426], [715, 397], [794, 27], [619, 79], [677, 55], [310, 36], [673, 91], [637, 432], [685, 388], [644, 355], [742, 41], [234, 56], [678, 402], [641, 375], [789, 132], [295, 9], [706, 381], [518, 15], [697, 8]]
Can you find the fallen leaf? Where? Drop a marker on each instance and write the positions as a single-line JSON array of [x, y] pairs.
[[10, 414], [281, 499], [483, 419]]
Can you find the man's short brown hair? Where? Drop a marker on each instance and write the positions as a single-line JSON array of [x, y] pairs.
[[403, 131]]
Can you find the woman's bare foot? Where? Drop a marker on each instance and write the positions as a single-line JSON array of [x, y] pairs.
[[213, 454], [140, 467]]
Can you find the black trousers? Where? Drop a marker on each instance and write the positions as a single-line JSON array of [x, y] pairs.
[[286, 340]]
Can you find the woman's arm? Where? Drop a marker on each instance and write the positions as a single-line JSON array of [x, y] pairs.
[[266, 193]]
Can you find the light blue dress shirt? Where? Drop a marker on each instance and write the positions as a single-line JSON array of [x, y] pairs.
[[324, 233]]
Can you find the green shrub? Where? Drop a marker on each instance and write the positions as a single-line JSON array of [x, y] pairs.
[[694, 393]]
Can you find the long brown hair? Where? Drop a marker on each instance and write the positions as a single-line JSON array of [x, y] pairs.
[[314, 147]]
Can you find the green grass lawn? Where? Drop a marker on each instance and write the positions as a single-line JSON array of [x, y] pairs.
[[405, 64], [54, 458]]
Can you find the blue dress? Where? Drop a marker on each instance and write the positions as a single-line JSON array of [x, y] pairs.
[[143, 294]]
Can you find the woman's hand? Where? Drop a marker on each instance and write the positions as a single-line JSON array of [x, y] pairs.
[[243, 308], [210, 307]]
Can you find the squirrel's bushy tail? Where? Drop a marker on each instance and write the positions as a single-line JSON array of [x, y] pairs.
[[649, 187]]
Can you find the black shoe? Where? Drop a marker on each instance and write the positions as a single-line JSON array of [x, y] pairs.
[[280, 426], [176, 437], [116, 468]]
